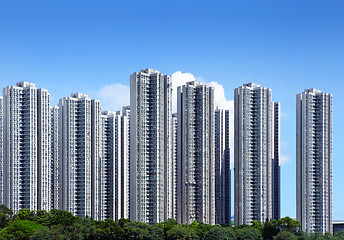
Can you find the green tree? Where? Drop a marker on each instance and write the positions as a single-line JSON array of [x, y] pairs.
[[339, 235], [61, 217], [328, 235], [19, 229], [320, 236], [83, 228], [270, 229], [219, 233], [194, 225], [202, 229], [138, 230], [285, 235], [247, 233], [123, 221], [5, 215], [46, 233], [61, 225], [180, 232], [43, 218], [26, 214], [168, 224], [108, 229], [57, 232], [241, 226], [289, 224], [257, 225], [301, 235]]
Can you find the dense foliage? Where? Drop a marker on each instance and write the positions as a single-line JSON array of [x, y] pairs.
[[58, 224]]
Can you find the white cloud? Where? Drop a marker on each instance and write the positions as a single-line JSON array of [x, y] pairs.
[[284, 159], [113, 97], [220, 99], [179, 79]]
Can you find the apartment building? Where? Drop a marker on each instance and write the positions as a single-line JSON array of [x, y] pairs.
[[26, 147], [222, 167], [196, 153], [150, 145], [314, 161], [75, 134], [256, 154]]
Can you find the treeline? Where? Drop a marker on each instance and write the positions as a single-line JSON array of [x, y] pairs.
[[58, 224]]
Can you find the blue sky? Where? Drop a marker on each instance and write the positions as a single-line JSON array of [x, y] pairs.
[[87, 46]]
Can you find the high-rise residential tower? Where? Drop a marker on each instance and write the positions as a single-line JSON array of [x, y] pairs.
[[44, 185], [27, 169], [1, 151], [314, 161], [114, 164], [124, 143], [108, 193], [150, 145], [222, 167], [55, 163], [276, 202], [96, 155], [196, 153], [75, 134], [256, 154], [20, 122], [173, 174]]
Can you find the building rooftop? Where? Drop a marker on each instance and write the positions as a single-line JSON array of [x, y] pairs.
[[25, 84], [251, 85], [79, 95], [149, 71], [312, 90]]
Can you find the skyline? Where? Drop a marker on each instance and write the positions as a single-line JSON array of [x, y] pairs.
[[276, 45], [186, 79]]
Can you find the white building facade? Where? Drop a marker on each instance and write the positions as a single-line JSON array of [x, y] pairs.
[[123, 142], [276, 202], [222, 168], [107, 168], [55, 162], [75, 154], [150, 145], [173, 174], [114, 165], [44, 185], [96, 156], [196, 153], [26, 147], [314, 161], [255, 154], [1, 151]]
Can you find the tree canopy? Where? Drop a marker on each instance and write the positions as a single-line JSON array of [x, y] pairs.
[[59, 224]]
